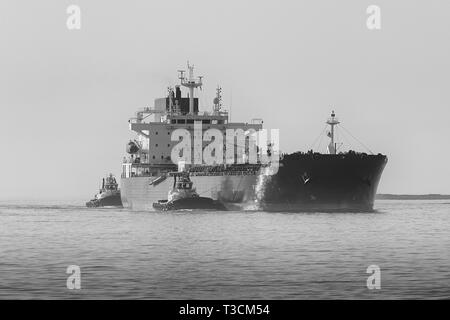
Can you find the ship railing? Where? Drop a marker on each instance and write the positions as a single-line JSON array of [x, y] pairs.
[[343, 155], [224, 173], [199, 173], [143, 174]]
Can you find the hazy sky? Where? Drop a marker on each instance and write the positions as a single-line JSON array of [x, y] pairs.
[[66, 96]]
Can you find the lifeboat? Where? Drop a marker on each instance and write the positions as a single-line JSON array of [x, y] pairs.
[[132, 147]]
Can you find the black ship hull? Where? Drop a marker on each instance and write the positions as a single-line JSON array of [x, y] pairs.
[[322, 182]]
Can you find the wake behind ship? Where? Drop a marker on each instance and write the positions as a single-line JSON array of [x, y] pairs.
[[308, 181]]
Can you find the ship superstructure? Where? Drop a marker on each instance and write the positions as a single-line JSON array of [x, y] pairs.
[[145, 170]]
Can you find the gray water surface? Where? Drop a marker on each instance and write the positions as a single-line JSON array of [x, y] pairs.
[[224, 255]]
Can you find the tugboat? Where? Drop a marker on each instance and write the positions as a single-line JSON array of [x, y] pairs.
[[108, 195], [183, 196]]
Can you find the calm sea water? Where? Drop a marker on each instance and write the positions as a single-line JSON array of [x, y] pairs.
[[224, 255]]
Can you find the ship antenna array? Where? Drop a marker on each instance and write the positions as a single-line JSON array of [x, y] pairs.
[[218, 100], [191, 83]]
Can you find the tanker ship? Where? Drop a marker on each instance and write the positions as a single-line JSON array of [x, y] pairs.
[[303, 181]]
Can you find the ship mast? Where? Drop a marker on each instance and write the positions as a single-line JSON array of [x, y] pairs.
[[332, 121], [170, 95], [218, 101], [191, 84]]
